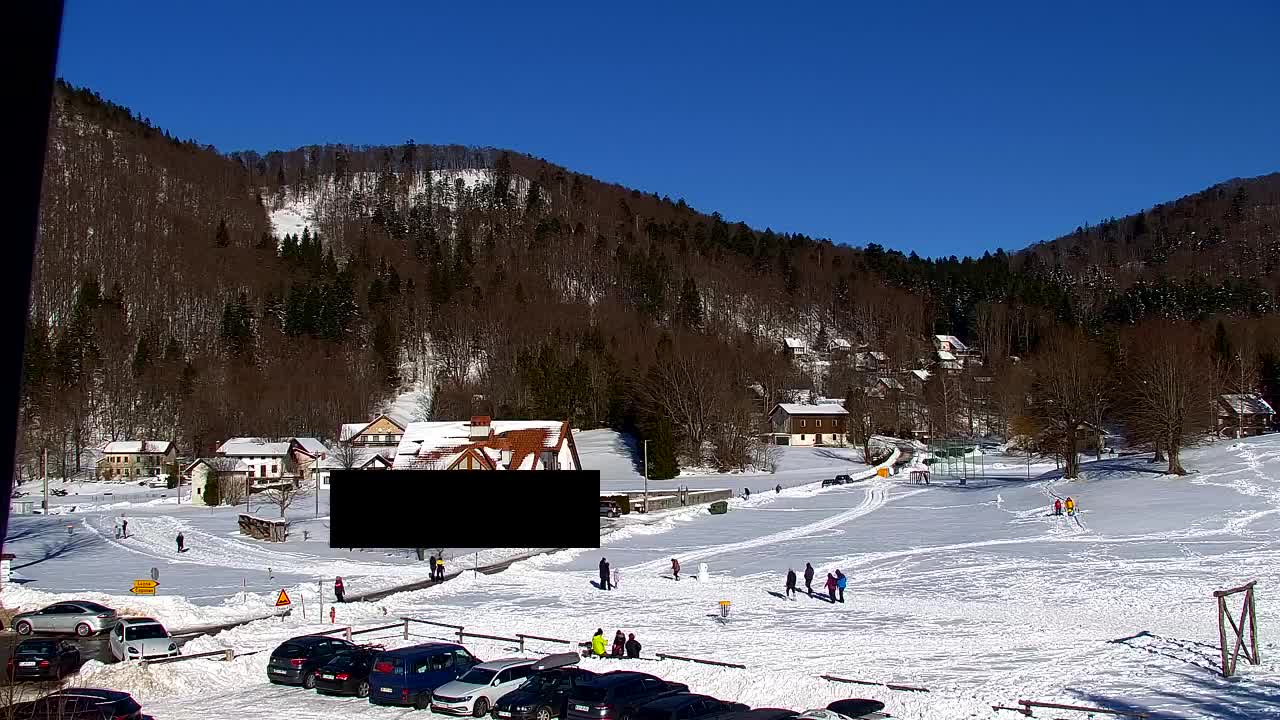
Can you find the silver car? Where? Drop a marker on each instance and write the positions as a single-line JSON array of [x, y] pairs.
[[141, 639], [77, 616]]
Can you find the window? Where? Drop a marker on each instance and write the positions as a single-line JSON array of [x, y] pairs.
[[802, 437], [443, 661], [425, 666], [275, 469], [520, 673], [252, 470], [819, 422], [802, 423]]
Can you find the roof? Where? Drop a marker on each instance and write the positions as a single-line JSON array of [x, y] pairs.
[[945, 356], [363, 458], [954, 341], [437, 445], [922, 374], [253, 447], [312, 446], [840, 343], [798, 409], [237, 466], [793, 342], [137, 447], [424, 647], [504, 663], [350, 430], [676, 700], [1247, 404], [890, 382]]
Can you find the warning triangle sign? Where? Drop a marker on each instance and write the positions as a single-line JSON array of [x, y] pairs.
[[283, 599]]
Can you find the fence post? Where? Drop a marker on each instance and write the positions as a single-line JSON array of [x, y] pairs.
[[231, 654], [460, 636], [406, 628], [348, 634], [521, 637]]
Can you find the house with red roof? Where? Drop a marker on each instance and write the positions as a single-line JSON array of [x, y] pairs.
[[483, 443]]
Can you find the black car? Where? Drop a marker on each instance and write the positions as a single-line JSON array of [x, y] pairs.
[[760, 714], [296, 661], [43, 660], [843, 479], [686, 706], [832, 481], [80, 704], [545, 694], [347, 673], [617, 695]]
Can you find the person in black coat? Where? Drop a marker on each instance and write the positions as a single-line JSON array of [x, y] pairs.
[[604, 575], [808, 578], [633, 646], [791, 582]]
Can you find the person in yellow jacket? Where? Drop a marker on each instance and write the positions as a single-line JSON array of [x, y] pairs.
[[598, 643], [1071, 506]]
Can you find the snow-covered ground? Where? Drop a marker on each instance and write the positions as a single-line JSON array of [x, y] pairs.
[[974, 592]]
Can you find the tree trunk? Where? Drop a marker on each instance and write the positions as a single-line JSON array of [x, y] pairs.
[[1159, 454], [1175, 462]]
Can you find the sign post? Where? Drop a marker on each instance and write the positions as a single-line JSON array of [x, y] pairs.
[[144, 587]]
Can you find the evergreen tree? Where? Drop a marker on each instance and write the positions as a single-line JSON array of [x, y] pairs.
[[211, 496], [1221, 347], [690, 305], [222, 237], [662, 448], [141, 357]]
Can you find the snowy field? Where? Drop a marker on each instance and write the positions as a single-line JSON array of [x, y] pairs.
[[976, 593]]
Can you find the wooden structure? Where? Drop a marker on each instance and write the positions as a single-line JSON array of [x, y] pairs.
[[1245, 632], [260, 529], [1029, 705]]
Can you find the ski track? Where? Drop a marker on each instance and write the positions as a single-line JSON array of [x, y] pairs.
[[877, 496]]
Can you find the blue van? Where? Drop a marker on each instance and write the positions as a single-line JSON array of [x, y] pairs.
[[406, 677]]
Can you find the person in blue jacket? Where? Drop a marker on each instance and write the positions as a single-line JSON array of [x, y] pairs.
[[841, 581]]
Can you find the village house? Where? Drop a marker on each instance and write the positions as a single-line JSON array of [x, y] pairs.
[[795, 346], [839, 347], [797, 424], [382, 431], [129, 459], [272, 462], [223, 470], [1246, 414], [486, 444], [359, 460], [870, 361]]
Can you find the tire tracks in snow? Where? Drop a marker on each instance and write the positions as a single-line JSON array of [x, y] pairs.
[[877, 497]]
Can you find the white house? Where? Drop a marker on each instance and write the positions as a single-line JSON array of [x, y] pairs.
[[361, 460], [205, 470], [795, 346], [486, 444], [797, 424], [268, 462]]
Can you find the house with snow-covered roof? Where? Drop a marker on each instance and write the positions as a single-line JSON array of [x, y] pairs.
[[795, 346], [128, 459], [800, 424], [483, 443], [1244, 413], [383, 431], [273, 461]]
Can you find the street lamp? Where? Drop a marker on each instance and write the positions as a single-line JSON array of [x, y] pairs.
[[646, 477]]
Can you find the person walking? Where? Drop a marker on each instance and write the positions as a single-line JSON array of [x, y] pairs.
[[615, 583], [431, 566], [808, 578], [675, 568], [597, 643], [831, 587], [339, 590], [604, 574], [778, 489], [791, 583], [841, 581], [181, 541], [1057, 506], [1071, 506], [619, 644], [440, 568], [633, 647], [746, 493], [124, 528]]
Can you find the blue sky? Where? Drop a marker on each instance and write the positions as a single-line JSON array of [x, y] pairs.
[[944, 128]]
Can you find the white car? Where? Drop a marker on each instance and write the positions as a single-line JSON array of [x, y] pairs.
[[141, 639], [480, 687]]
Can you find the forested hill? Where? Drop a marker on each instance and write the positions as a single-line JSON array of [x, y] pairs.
[[1216, 251], [168, 304]]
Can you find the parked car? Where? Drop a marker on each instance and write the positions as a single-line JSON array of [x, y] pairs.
[[43, 659], [347, 673], [408, 676], [79, 704], [844, 479], [296, 660], [544, 694], [760, 714], [609, 508], [686, 706], [76, 616], [851, 709], [832, 481], [476, 690], [618, 695], [141, 639]]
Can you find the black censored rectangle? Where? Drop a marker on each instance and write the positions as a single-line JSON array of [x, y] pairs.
[[461, 508]]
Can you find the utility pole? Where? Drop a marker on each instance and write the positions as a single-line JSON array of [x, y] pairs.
[[646, 477], [44, 472], [1240, 401]]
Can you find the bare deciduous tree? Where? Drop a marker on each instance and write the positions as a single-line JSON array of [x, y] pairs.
[[1167, 398], [1070, 379]]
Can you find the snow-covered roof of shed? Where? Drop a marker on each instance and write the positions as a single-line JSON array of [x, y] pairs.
[[313, 446], [794, 342], [1248, 404], [800, 409], [840, 343], [922, 374], [891, 382], [137, 447]]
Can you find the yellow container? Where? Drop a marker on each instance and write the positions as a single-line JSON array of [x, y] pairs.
[[883, 472]]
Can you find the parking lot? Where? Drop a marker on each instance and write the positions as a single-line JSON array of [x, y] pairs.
[[91, 648]]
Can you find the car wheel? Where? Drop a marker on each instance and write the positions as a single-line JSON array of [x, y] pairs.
[[481, 709], [83, 630], [23, 627], [422, 702], [543, 713], [362, 690], [309, 680]]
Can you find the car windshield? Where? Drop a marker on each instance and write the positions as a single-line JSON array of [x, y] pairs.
[[478, 676], [151, 631], [290, 650], [345, 660]]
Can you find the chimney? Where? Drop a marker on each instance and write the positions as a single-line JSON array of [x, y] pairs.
[[479, 428]]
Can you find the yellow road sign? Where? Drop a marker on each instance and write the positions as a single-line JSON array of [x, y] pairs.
[[143, 591], [145, 584], [283, 599]]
